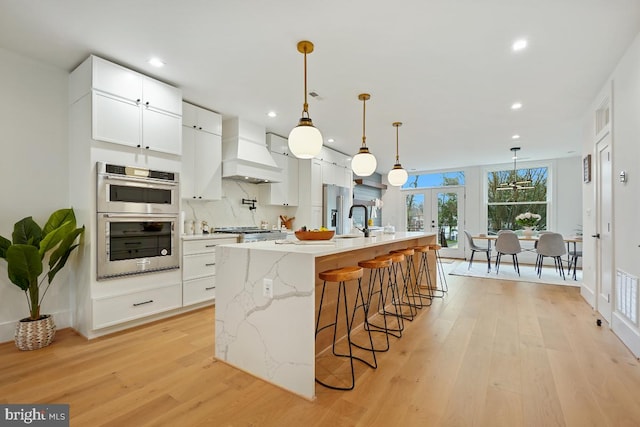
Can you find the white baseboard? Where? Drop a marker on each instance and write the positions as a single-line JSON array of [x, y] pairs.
[[588, 295], [629, 335], [8, 329]]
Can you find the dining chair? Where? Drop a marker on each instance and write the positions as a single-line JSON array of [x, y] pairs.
[[551, 245], [475, 248], [507, 243]]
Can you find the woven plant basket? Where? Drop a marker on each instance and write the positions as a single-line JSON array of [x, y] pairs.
[[35, 334]]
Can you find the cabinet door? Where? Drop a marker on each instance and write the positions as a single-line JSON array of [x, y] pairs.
[[187, 173], [161, 131], [208, 121], [292, 180], [208, 166], [116, 80], [161, 96], [316, 183], [316, 217], [115, 119], [189, 115]]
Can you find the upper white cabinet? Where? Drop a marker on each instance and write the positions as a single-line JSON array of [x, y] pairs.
[[201, 176], [130, 108], [284, 193]]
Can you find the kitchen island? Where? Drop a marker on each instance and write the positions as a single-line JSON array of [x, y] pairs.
[[266, 302]]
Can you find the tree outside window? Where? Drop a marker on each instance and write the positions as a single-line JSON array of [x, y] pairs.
[[505, 205]]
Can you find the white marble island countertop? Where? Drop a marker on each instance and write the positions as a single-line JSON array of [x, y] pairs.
[[266, 302], [329, 247]]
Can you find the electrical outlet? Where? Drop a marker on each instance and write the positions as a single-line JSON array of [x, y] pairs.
[[267, 288]]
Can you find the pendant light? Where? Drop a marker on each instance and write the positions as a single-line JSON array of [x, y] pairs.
[[514, 184], [397, 176], [305, 140], [364, 163]]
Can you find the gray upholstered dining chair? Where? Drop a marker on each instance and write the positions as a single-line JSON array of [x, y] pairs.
[[475, 248], [551, 245], [507, 243]]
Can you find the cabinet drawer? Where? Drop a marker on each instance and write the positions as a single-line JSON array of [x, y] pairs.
[[198, 290], [199, 265], [122, 308], [205, 245]]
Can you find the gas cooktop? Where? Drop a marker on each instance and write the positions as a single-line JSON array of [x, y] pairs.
[[240, 230]]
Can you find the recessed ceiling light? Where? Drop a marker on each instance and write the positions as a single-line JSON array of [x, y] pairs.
[[519, 44], [272, 114], [156, 62], [330, 140], [515, 137], [516, 106]]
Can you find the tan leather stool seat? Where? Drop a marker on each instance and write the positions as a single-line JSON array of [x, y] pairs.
[[341, 274]]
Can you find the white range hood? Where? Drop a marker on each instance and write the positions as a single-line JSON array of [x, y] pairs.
[[245, 155]]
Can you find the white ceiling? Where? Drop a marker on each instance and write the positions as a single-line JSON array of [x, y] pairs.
[[442, 67]]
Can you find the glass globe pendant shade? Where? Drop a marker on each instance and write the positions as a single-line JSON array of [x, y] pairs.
[[364, 163], [397, 176], [305, 140]]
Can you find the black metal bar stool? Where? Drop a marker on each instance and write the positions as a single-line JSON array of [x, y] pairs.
[[340, 276], [409, 277], [394, 289], [444, 287], [377, 268], [403, 296], [423, 272]]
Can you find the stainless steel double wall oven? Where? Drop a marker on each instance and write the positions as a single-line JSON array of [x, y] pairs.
[[138, 214]]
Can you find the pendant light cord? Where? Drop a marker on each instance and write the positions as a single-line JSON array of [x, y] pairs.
[[364, 114], [397, 155], [305, 108]]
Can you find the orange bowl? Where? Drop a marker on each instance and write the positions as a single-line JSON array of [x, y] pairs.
[[315, 235]]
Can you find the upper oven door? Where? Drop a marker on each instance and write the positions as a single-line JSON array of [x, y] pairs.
[[125, 194]]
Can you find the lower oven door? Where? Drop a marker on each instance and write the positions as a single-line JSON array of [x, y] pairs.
[[136, 244]]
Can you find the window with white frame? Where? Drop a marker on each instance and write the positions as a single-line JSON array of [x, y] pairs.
[[514, 192]]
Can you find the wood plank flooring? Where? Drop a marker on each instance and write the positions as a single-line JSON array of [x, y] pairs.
[[491, 353]]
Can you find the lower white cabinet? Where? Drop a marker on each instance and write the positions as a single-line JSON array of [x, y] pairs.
[[111, 311], [199, 269]]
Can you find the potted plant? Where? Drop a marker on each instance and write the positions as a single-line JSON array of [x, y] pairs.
[[25, 254]]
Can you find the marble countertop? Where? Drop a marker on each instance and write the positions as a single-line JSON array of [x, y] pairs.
[[208, 236], [328, 247]]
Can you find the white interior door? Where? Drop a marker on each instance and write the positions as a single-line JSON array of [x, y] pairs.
[[439, 210], [604, 245]]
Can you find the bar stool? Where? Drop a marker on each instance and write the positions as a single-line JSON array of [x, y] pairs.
[[377, 269], [392, 286], [403, 298], [423, 271], [340, 276], [440, 269], [409, 277]]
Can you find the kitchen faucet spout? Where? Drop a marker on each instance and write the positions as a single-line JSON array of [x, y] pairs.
[[365, 230]]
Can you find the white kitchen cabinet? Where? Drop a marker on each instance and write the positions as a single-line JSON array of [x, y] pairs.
[[315, 187], [130, 108], [284, 193], [201, 176], [199, 269], [201, 119], [118, 309]]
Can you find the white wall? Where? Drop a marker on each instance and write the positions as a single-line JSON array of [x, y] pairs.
[[33, 169], [624, 87]]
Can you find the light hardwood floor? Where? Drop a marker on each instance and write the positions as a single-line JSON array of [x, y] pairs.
[[491, 353]]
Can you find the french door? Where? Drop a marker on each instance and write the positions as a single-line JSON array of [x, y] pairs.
[[438, 210]]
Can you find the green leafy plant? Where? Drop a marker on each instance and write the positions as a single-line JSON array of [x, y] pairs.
[[30, 245]]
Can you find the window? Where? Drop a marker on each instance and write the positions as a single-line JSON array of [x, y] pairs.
[[441, 179], [505, 204]]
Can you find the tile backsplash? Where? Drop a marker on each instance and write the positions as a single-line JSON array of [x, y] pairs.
[[230, 212]]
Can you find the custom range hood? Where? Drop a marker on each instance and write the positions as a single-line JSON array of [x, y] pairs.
[[245, 155]]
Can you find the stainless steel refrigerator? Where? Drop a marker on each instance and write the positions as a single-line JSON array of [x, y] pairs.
[[336, 202]]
